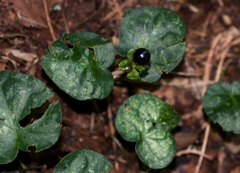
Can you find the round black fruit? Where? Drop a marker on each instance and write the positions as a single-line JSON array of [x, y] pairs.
[[141, 56]]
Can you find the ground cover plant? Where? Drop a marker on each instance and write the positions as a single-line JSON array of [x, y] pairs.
[[80, 64], [157, 31], [221, 104], [80, 70]]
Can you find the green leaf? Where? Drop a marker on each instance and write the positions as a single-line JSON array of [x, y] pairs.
[[222, 104], [133, 74], [83, 161], [19, 93], [81, 71], [158, 29], [148, 120]]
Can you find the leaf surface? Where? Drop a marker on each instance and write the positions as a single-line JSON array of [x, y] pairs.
[[83, 161], [19, 93], [221, 103], [147, 120], [80, 69], [158, 29]]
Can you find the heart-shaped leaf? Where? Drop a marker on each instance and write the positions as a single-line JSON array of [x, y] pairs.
[[83, 161], [148, 120], [222, 104], [80, 69], [157, 29], [19, 93]]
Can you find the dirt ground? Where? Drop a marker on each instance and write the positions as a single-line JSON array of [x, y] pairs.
[[212, 54]]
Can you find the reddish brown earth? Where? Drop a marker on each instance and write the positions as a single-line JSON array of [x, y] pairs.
[[213, 44]]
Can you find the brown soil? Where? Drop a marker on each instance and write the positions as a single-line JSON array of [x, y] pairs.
[[212, 54]]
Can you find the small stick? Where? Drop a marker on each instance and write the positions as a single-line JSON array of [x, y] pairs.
[[206, 77], [95, 106], [48, 20], [116, 74], [110, 118], [92, 121], [209, 59], [206, 22], [205, 140], [186, 74], [192, 151], [122, 150], [236, 41], [220, 64], [221, 4], [199, 33], [112, 131], [30, 20], [198, 56], [112, 13], [225, 46], [120, 13], [65, 22], [221, 157], [190, 6], [194, 79]]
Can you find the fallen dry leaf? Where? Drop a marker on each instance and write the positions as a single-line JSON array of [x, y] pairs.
[[2, 66], [30, 13], [183, 140], [17, 53], [236, 170], [17, 57], [234, 145]]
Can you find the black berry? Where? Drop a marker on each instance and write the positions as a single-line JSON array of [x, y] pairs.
[[141, 56]]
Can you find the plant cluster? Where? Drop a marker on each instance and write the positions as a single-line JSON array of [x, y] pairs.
[[151, 39]]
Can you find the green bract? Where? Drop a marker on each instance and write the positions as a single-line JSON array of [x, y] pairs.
[[158, 29], [19, 93], [83, 161], [222, 104], [133, 69], [148, 120], [81, 71]]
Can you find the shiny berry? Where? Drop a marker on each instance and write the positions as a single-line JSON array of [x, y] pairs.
[[141, 56]]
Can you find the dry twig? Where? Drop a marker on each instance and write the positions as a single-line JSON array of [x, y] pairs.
[[220, 64], [122, 150], [190, 6], [116, 74], [118, 9], [65, 22], [21, 17], [48, 20], [221, 157], [112, 131], [220, 2], [92, 121], [186, 74], [205, 140], [112, 13], [199, 33], [205, 24], [209, 59], [206, 77], [189, 150]]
